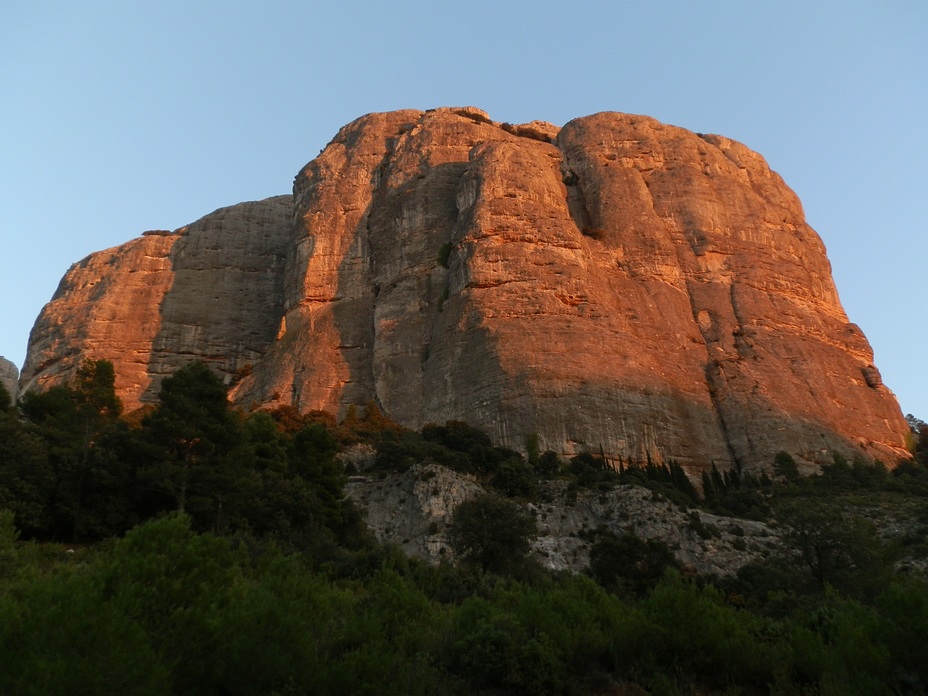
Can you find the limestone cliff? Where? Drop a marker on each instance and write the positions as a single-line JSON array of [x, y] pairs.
[[9, 377], [412, 510], [616, 284], [209, 291]]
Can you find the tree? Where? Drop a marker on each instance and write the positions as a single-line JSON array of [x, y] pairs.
[[589, 469], [532, 449], [75, 421], [26, 477], [834, 549], [6, 401], [627, 561], [514, 477], [492, 533], [549, 463], [195, 440], [458, 436], [919, 438], [785, 466]]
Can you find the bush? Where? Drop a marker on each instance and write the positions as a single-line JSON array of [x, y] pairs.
[[785, 466], [515, 478], [549, 463], [444, 254], [498, 653], [59, 635], [628, 562]]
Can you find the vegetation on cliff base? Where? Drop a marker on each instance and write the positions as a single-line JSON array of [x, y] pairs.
[[219, 556]]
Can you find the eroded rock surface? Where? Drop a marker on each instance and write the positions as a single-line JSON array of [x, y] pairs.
[[615, 285], [412, 510], [9, 377], [210, 291]]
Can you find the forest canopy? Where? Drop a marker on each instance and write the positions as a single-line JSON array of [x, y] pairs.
[[196, 549]]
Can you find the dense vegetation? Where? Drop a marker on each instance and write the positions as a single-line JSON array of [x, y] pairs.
[[194, 549]]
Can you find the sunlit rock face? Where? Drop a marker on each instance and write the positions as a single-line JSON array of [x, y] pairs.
[[616, 285], [210, 291]]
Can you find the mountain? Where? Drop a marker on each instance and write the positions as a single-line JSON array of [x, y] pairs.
[[9, 377], [616, 285]]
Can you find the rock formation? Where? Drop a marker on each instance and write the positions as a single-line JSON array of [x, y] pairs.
[[617, 284], [209, 291], [9, 377], [412, 510]]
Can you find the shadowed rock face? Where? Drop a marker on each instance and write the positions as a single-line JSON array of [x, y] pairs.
[[9, 377], [617, 284], [209, 291]]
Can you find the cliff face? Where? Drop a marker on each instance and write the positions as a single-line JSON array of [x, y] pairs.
[[209, 291], [617, 284], [9, 377], [412, 510]]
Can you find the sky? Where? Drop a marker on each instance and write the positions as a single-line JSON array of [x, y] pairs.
[[125, 116]]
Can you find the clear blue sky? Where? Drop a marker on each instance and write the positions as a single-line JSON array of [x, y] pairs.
[[121, 116]]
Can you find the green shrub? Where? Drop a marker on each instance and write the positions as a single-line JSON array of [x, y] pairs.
[[443, 254], [629, 563]]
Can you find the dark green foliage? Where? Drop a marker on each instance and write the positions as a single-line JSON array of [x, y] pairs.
[[399, 451], [919, 438], [589, 470], [61, 636], [903, 628], [93, 389], [72, 470], [293, 598], [79, 424], [192, 436], [785, 466], [736, 492], [910, 477], [371, 426], [9, 535], [514, 477], [491, 533], [443, 254], [629, 563], [549, 464], [687, 635], [674, 479], [170, 611], [824, 548], [318, 478], [668, 480], [27, 479], [175, 584], [857, 474], [6, 401], [465, 439], [295, 496], [532, 450], [836, 549], [499, 653]]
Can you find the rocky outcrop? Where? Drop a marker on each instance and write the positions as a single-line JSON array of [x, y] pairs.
[[210, 291], [616, 285], [412, 510], [9, 377]]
